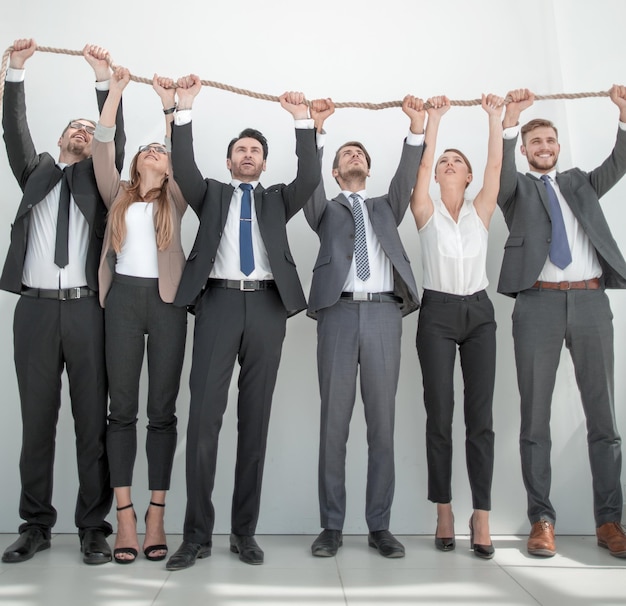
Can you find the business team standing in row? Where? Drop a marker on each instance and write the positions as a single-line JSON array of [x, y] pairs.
[[241, 283]]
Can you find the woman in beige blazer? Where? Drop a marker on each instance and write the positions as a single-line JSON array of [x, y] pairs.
[[140, 268]]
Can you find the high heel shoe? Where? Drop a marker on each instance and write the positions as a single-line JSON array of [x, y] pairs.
[[130, 551], [152, 548], [444, 543], [486, 552]]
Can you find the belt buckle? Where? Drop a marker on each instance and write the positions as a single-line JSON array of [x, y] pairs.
[[360, 296], [244, 288], [564, 285], [69, 293]]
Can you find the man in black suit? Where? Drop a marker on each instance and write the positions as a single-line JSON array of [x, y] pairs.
[[242, 280], [558, 259], [52, 264]]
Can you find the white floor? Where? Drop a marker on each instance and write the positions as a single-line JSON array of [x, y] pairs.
[[581, 574]]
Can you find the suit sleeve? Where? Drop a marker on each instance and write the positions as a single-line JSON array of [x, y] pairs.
[[508, 177], [120, 133], [186, 173], [103, 155], [23, 158], [308, 175], [612, 169], [316, 204], [403, 181]]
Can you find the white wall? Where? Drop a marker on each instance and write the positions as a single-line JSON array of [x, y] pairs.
[[365, 51]]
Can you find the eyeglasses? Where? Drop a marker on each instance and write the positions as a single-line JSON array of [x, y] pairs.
[[90, 130], [159, 149]]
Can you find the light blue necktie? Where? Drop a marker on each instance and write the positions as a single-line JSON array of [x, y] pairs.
[[360, 242], [560, 253], [246, 254]]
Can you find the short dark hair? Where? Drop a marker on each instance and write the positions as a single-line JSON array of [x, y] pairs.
[[352, 144], [252, 134], [537, 123], [76, 120]]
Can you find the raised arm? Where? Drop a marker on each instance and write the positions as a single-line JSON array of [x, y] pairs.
[[517, 101], [186, 172], [314, 209], [486, 200], [99, 60], [308, 174], [421, 202], [20, 147], [404, 180], [103, 146]]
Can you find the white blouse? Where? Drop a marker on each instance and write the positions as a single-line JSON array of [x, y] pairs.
[[138, 256], [454, 254]]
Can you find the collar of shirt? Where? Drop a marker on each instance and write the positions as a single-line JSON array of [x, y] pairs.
[[347, 194], [236, 183], [551, 174]]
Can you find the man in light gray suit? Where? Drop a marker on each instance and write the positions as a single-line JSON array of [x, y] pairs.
[[558, 259], [362, 286]]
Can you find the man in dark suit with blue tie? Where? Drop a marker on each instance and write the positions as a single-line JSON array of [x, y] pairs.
[[559, 258], [362, 287], [241, 278], [52, 263]]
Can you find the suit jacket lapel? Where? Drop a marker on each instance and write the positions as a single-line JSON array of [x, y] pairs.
[[227, 196], [543, 193]]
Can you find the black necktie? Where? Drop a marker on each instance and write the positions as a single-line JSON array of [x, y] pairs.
[[246, 252], [63, 224]]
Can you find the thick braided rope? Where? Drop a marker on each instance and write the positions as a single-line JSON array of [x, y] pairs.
[[264, 97]]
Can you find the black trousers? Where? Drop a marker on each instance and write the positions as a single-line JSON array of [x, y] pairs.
[[135, 309], [445, 323], [48, 336], [248, 327]]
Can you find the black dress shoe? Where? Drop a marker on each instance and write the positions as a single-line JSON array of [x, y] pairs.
[[29, 543], [95, 548], [386, 544], [185, 556], [486, 552], [247, 548], [327, 543]]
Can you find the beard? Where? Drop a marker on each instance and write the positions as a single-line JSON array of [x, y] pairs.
[[542, 164], [76, 147]]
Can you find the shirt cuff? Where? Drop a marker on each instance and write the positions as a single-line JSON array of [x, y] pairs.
[[413, 139], [622, 125], [320, 139], [305, 123], [182, 117], [103, 85], [511, 132], [15, 75], [104, 134]]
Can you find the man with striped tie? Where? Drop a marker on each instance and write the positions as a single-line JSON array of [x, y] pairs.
[[362, 286]]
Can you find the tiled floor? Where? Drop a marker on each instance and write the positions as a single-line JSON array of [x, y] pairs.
[[581, 574]]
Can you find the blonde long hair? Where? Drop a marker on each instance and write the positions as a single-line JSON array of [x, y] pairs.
[[162, 213]]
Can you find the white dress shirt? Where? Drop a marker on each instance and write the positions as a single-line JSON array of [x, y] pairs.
[[138, 256]]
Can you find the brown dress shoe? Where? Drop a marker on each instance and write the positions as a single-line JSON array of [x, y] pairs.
[[541, 539], [611, 536]]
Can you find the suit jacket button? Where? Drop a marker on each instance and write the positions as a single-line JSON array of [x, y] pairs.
[[213, 260], [349, 257]]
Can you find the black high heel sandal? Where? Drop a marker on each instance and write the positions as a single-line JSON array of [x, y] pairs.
[[485, 552], [163, 547], [125, 550]]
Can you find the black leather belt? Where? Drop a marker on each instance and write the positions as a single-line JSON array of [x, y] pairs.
[[245, 285], [377, 297], [63, 294]]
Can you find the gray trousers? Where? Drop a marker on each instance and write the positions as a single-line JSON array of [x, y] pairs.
[[352, 334], [135, 309], [542, 321]]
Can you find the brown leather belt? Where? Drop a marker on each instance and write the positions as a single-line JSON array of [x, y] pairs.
[[593, 284]]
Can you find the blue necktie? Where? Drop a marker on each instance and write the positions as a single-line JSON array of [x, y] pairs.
[[360, 242], [61, 256], [560, 253], [246, 254]]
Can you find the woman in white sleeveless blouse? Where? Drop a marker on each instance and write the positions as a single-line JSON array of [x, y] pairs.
[[456, 312]]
